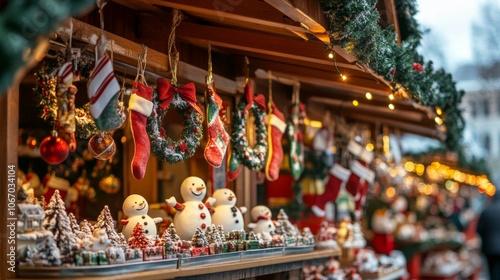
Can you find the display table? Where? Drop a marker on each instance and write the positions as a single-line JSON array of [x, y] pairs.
[[239, 268]]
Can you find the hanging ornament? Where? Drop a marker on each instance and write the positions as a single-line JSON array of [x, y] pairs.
[[102, 146], [110, 184], [54, 149], [418, 67]]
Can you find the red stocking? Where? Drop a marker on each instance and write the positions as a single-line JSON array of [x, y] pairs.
[[357, 185], [275, 128], [337, 176], [218, 138], [140, 107]]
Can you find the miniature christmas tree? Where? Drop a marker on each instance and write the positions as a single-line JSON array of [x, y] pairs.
[[47, 253], [138, 238], [106, 222], [173, 233], [209, 234], [26, 257], [157, 241], [222, 234], [86, 230], [22, 195], [122, 243], [74, 225], [287, 227], [199, 239], [56, 221]]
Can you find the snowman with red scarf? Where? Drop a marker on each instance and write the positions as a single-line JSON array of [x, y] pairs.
[[262, 222]]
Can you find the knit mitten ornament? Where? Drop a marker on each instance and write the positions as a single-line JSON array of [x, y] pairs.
[[140, 107], [218, 138], [276, 126], [104, 92], [337, 178], [66, 92]]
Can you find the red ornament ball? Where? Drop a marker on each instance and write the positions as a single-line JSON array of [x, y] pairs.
[[102, 146], [54, 149]]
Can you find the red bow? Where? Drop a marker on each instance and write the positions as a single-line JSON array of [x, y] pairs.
[[259, 99], [166, 93]]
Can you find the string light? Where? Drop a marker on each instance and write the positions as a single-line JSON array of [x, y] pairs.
[[343, 77], [438, 120], [391, 106], [439, 111], [330, 55], [368, 96], [391, 96], [369, 147], [355, 102]]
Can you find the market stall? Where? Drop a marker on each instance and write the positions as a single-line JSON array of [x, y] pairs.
[[279, 138]]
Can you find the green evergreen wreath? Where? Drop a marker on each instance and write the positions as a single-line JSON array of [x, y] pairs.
[[45, 92], [162, 146], [254, 158]]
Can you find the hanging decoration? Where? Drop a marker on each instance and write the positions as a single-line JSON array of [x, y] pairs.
[[254, 158], [218, 138], [103, 88], [276, 127], [102, 146], [140, 107], [295, 134], [45, 92], [354, 25], [183, 98], [54, 149]]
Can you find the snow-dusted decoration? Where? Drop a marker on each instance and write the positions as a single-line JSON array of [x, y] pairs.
[[26, 257], [173, 232], [199, 243], [31, 217], [135, 207], [221, 232], [56, 220], [358, 241], [98, 242], [307, 236], [153, 253], [123, 242], [47, 253], [115, 255], [86, 229], [254, 242], [225, 212], [366, 261], [193, 213], [169, 244], [325, 238], [215, 243], [138, 238], [75, 227], [105, 221]]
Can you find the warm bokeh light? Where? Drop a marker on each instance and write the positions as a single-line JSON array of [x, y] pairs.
[[391, 106], [355, 102], [369, 96], [370, 147], [390, 192]]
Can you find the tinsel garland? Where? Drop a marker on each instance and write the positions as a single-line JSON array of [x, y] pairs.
[[45, 92], [354, 26]]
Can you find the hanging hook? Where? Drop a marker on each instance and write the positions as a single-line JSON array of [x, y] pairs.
[[209, 79], [247, 70]]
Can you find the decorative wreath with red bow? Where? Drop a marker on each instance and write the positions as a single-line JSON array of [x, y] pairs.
[[255, 158], [183, 99]]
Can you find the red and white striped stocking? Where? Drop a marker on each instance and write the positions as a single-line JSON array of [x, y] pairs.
[[218, 138], [66, 92], [337, 177], [276, 126]]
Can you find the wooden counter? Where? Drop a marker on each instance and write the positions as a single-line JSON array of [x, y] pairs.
[[236, 269]]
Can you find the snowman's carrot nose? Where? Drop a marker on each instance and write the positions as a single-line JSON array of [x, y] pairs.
[[142, 203], [231, 197], [200, 188]]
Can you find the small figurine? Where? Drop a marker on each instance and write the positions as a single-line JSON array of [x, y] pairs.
[[263, 225], [344, 232], [99, 241], [193, 213], [225, 211], [135, 207]]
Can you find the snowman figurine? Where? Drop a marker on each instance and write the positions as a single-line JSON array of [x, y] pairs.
[[99, 241], [225, 211], [193, 213], [135, 207], [262, 225]]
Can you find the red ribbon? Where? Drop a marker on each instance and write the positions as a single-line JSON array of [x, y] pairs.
[[166, 93], [261, 218], [250, 97]]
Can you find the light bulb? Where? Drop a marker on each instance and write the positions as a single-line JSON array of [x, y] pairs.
[[343, 77], [355, 102], [391, 96], [330, 55], [368, 96], [391, 106]]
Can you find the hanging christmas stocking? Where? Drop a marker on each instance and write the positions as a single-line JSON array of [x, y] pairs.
[[295, 140], [140, 107], [218, 138], [275, 128], [359, 180], [66, 92], [337, 177], [104, 92]]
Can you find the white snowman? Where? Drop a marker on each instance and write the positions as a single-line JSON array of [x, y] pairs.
[[193, 213], [135, 207], [98, 242], [263, 224], [225, 212]]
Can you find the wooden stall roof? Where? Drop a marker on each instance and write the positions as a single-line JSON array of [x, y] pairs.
[[287, 37]]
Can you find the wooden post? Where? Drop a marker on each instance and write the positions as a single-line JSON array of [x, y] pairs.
[[9, 106]]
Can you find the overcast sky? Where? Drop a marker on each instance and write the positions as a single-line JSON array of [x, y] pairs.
[[450, 22]]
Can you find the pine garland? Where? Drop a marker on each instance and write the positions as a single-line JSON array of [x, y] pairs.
[[354, 26]]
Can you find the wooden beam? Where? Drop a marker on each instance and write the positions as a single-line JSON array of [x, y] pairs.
[[127, 52], [300, 16], [392, 17], [251, 13]]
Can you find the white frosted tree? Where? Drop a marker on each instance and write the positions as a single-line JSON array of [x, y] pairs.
[[56, 221], [173, 233], [222, 234], [86, 230], [286, 227], [105, 221], [199, 239], [47, 253]]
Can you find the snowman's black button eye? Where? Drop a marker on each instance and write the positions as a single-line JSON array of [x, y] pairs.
[[193, 184], [136, 202]]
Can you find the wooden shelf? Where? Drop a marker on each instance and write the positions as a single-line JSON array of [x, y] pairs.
[[236, 269]]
